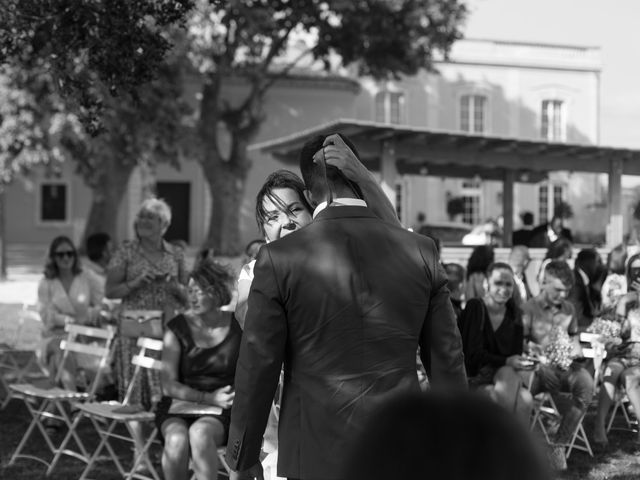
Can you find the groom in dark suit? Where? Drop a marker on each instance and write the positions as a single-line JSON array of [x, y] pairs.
[[344, 304]]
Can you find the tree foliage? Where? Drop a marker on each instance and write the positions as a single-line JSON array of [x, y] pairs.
[[86, 43], [29, 119], [256, 43], [94, 49]]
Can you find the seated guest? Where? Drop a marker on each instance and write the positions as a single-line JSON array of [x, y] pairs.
[[493, 340], [445, 435], [199, 361], [561, 249], [455, 284], [67, 294], [586, 299], [480, 259], [519, 260], [615, 283], [624, 364], [99, 249], [522, 236], [549, 320]]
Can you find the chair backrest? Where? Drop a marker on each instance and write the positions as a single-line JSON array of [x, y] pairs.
[[596, 351], [96, 342], [143, 359]]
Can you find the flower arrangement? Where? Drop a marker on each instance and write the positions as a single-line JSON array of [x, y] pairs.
[[608, 329], [559, 350]]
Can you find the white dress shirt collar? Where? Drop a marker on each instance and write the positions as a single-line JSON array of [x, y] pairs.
[[347, 202]]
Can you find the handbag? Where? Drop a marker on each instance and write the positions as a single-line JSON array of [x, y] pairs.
[[141, 323]]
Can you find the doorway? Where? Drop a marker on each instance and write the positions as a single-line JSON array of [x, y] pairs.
[[178, 196]]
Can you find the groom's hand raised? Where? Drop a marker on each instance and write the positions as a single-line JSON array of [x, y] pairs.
[[338, 154]]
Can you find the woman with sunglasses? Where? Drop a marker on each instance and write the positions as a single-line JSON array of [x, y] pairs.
[[199, 359], [66, 294]]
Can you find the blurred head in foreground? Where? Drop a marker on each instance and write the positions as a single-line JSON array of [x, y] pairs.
[[445, 436]]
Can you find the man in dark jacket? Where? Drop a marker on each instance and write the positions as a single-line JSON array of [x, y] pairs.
[[344, 304]]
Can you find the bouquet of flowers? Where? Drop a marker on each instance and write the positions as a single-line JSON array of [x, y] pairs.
[[559, 350], [609, 330]]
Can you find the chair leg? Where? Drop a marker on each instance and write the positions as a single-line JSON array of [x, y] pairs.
[[104, 443], [143, 455], [82, 455]]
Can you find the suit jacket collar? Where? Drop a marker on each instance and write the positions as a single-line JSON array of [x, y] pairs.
[[343, 211]]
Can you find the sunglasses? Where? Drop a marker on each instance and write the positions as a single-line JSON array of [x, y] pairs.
[[65, 254]]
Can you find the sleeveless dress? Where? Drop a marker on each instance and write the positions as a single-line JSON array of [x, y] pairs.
[[203, 368]]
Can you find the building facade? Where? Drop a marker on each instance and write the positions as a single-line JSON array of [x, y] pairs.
[[506, 89]]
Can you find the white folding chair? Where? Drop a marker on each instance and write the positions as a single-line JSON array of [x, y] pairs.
[[17, 363], [621, 403], [46, 401], [106, 416]]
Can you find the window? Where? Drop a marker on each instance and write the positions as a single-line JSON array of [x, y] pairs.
[[549, 196], [472, 113], [471, 190], [53, 202], [389, 107], [553, 121]]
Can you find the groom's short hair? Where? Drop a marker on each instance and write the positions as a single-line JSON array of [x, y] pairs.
[[313, 173]]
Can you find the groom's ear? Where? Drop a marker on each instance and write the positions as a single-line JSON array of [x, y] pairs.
[[309, 196]]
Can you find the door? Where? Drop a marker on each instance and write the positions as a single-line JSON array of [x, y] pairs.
[[178, 196]]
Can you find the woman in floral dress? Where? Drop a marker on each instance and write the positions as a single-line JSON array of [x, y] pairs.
[[147, 274]]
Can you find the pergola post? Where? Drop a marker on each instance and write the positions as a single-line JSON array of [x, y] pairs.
[[388, 170], [508, 180], [615, 228]]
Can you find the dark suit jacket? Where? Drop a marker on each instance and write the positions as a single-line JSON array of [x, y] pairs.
[[539, 238], [521, 237], [344, 303]]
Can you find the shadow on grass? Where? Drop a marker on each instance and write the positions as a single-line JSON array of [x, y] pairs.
[[15, 420], [619, 461]]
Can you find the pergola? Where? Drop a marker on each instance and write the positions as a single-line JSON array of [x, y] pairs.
[[399, 149]]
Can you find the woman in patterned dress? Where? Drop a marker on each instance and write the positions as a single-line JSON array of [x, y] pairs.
[[147, 274], [624, 365]]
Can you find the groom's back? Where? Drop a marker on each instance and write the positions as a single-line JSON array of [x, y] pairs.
[[356, 292]]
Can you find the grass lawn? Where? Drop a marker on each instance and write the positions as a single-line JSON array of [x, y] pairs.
[[15, 419]]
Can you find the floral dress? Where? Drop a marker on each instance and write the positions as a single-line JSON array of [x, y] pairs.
[[154, 296]]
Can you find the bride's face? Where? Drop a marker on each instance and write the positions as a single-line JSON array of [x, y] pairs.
[[286, 213]]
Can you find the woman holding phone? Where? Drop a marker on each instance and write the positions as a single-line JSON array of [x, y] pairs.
[[492, 334], [624, 365]]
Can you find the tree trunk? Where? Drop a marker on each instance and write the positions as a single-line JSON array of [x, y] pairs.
[[227, 187], [3, 240], [105, 204]]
